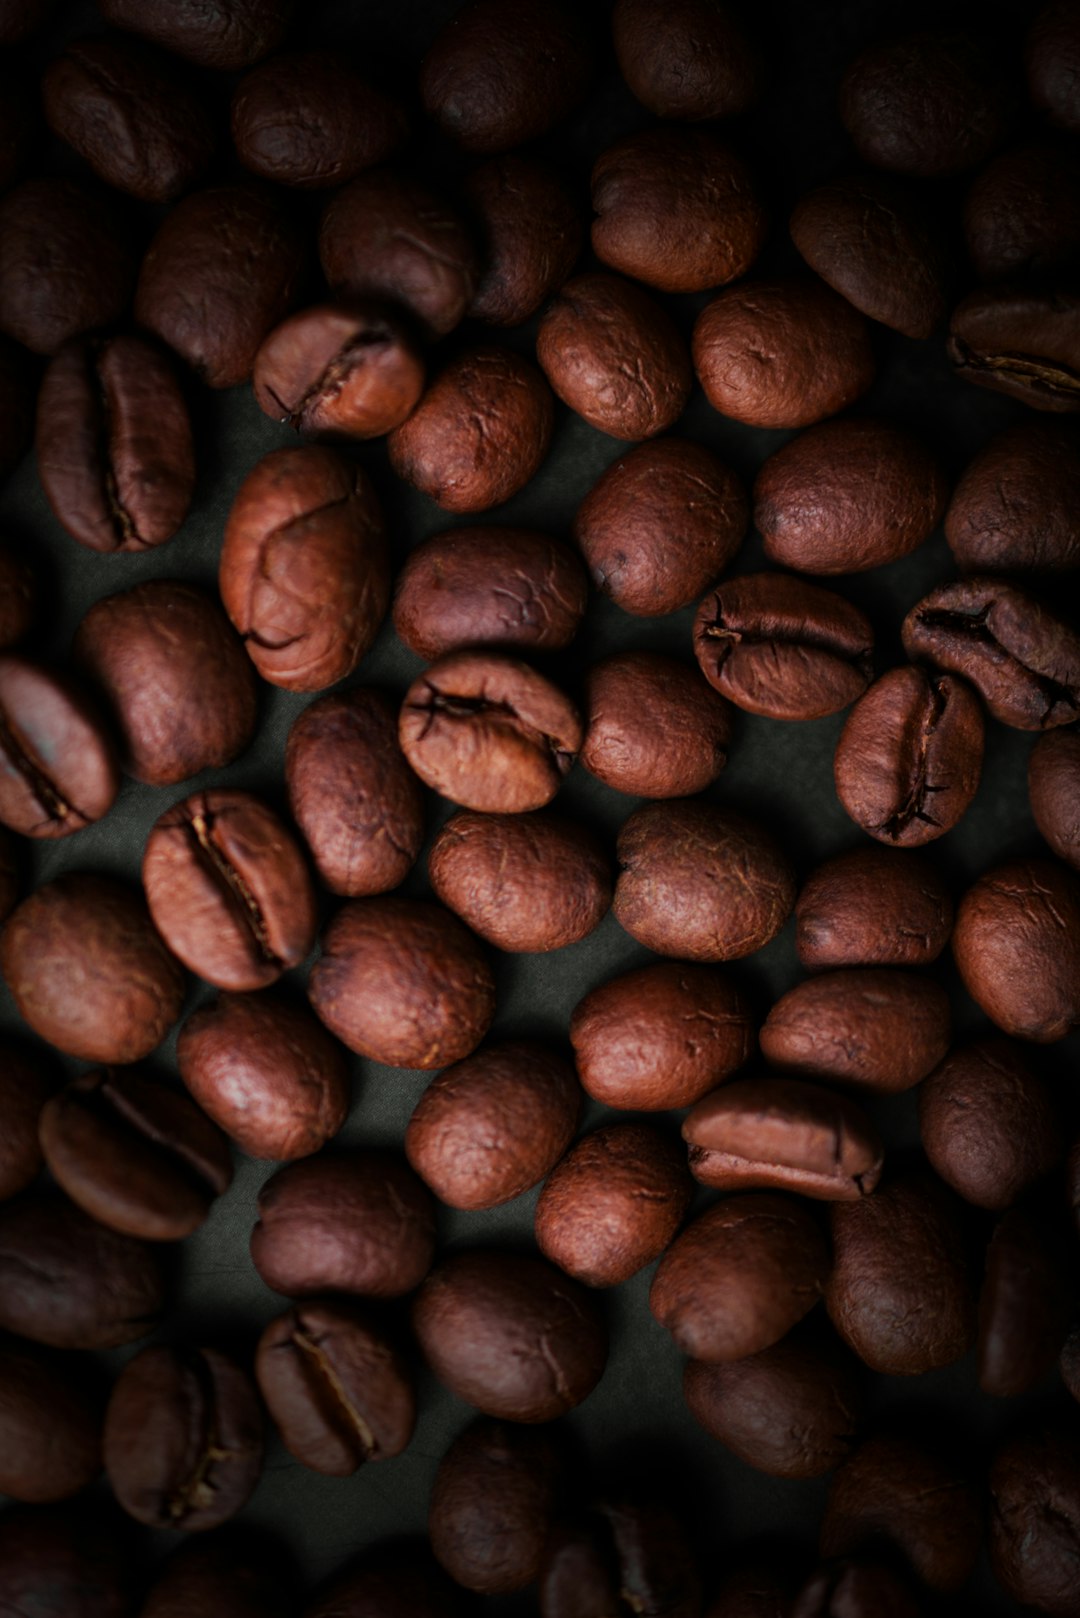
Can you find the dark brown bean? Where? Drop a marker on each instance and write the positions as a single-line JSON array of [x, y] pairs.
[[755, 1587], [1026, 1303], [18, 597], [1022, 212], [398, 1579], [1052, 59], [492, 1502], [627, 1554], [340, 370], [1020, 342], [689, 59], [225, 34], [873, 1028], [1034, 1518], [857, 1590], [58, 770], [1054, 792], [50, 1424], [529, 223], [25, 1085], [1016, 944], [872, 907], [72, 1559], [1013, 507], [229, 1573], [653, 728]]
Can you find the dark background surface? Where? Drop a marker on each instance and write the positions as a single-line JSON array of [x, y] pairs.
[[781, 773]]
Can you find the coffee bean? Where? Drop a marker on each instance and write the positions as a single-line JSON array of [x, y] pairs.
[[340, 370], [874, 1028], [1054, 792], [58, 770], [50, 1424], [1034, 1518], [229, 890], [872, 907], [689, 59], [26, 1083], [492, 1503], [1019, 342], [74, 1559], [858, 1590], [1022, 212], [227, 1572], [528, 221], [1052, 59], [654, 729], [1016, 944], [1012, 508], [777, 646], [224, 34], [1026, 1302], [18, 595], [626, 1555], [397, 1579], [756, 1587]]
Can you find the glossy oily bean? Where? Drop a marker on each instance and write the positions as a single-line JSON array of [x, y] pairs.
[[525, 883], [783, 1135], [175, 676], [87, 970], [489, 586], [690, 59], [614, 357], [529, 223], [489, 732], [740, 1276], [909, 757], [304, 573], [872, 907], [857, 1589], [359, 806], [26, 1083], [1012, 508], [1054, 792], [1034, 1517], [401, 981], [1021, 343], [65, 262], [340, 371], [224, 34], [1016, 944], [847, 496], [229, 890], [495, 1494], [1026, 1303], [626, 1554], [1052, 60], [1022, 212], [479, 434], [50, 1424], [67, 1559], [900, 1292], [510, 1334], [133, 1154], [775, 645], [228, 1572], [653, 728], [873, 1028], [491, 1126], [338, 1390], [183, 1438], [18, 595], [357, 1221], [58, 770]]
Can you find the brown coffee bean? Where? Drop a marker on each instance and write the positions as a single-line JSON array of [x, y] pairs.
[[847, 496], [1022, 212], [900, 1292], [1016, 944], [688, 59], [73, 1559], [229, 890], [654, 729], [228, 1572], [224, 34], [1023, 343], [782, 353], [1054, 792], [775, 645], [525, 883], [340, 370], [1012, 508], [87, 970], [614, 357], [529, 223], [338, 1390], [872, 907], [909, 757], [857, 1590], [183, 1438], [783, 1135], [1034, 1517], [58, 771], [26, 1084], [398, 1579], [1026, 1303], [756, 1587], [50, 1424], [175, 676], [625, 1555], [494, 1125], [700, 883], [401, 981], [792, 1410], [489, 732], [495, 1494], [873, 1028], [18, 596], [479, 434], [1052, 59], [510, 1334]]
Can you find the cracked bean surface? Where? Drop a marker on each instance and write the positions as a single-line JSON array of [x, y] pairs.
[[58, 770]]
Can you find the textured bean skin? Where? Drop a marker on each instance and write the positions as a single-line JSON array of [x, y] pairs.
[[872, 907], [874, 1028], [346, 370], [1026, 1303], [223, 34], [688, 59], [1052, 59], [654, 729], [1034, 1519], [50, 1422], [492, 1502], [1020, 343], [1054, 792], [1022, 212], [65, 262], [25, 1085], [1012, 508], [529, 222], [1017, 946], [58, 770]]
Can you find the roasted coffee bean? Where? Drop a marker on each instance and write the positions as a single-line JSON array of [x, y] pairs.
[[401, 981], [1023, 343], [775, 645], [354, 798], [20, 17], [847, 496], [493, 1125], [989, 1122], [176, 678], [50, 1424], [338, 1390], [660, 524], [688, 59], [225, 34], [66, 263], [479, 434], [489, 587], [340, 370], [857, 1590], [398, 1579], [1017, 946], [529, 223], [229, 890], [492, 81], [75, 1560], [909, 757], [676, 208], [492, 1502], [221, 272], [87, 970], [489, 732], [1026, 1303], [653, 728], [510, 1334], [18, 597], [25, 1085], [1013, 507], [1034, 1517], [1052, 58], [1054, 792], [228, 1573], [114, 446], [874, 1028], [133, 1154], [782, 353], [525, 883], [386, 236], [700, 883], [309, 119], [614, 356], [69, 1282], [304, 572], [58, 771], [1022, 212], [756, 1587], [900, 1292], [872, 907], [792, 1410], [783, 1135], [871, 239], [357, 1221], [183, 1438], [661, 1036], [129, 113], [740, 1276], [625, 1555]]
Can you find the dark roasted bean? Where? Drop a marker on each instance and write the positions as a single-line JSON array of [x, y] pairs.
[[872, 907], [1020, 342], [50, 1424], [874, 1028], [58, 771], [1017, 946], [225, 34], [690, 59], [1013, 506], [529, 223], [492, 1502], [653, 728]]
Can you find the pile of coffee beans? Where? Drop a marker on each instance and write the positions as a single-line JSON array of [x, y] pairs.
[[539, 809]]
